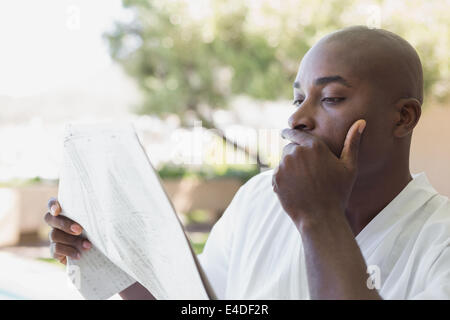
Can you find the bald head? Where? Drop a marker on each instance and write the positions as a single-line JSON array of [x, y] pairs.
[[379, 56], [361, 73]]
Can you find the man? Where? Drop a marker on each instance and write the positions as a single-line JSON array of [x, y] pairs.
[[342, 201]]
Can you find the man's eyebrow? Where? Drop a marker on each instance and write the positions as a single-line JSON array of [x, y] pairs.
[[326, 80]]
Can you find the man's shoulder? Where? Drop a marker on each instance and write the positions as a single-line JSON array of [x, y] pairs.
[[440, 215], [256, 198], [435, 207], [260, 183], [265, 175], [435, 233]]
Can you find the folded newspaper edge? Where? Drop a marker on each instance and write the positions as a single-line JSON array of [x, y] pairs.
[[92, 274]]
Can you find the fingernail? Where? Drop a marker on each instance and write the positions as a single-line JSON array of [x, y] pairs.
[[53, 209], [362, 127], [75, 228], [86, 244]]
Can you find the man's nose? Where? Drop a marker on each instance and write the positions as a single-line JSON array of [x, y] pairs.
[[302, 118]]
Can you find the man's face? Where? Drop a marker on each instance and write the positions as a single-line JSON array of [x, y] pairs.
[[331, 92]]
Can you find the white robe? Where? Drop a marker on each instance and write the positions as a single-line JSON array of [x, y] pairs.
[[255, 252]]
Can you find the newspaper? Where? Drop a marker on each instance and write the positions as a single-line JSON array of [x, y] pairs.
[[108, 185]]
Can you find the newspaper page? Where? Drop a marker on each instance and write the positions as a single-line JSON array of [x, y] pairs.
[[109, 187]]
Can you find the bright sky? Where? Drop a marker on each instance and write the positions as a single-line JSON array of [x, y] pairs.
[[46, 44]]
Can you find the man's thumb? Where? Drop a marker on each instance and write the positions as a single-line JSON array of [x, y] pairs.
[[349, 153]]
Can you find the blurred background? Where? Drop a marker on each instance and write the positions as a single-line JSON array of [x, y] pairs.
[[215, 71]]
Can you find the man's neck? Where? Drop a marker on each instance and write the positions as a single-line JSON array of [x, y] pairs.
[[371, 194]]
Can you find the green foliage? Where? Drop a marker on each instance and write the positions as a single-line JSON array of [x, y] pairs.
[[198, 246], [198, 216], [241, 172], [25, 182], [188, 55], [168, 171], [198, 242], [52, 261], [182, 64]]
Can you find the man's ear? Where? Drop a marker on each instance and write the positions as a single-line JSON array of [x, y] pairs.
[[408, 114]]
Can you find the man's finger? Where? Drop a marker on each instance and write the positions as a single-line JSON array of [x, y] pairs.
[[63, 260], [63, 223], [59, 249], [54, 207], [350, 150], [80, 243], [289, 148]]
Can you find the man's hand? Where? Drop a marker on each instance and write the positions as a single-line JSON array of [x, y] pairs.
[[314, 186], [310, 180], [65, 239]]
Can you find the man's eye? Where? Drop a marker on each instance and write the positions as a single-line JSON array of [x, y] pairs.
[[298, 102], [333, 100]]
